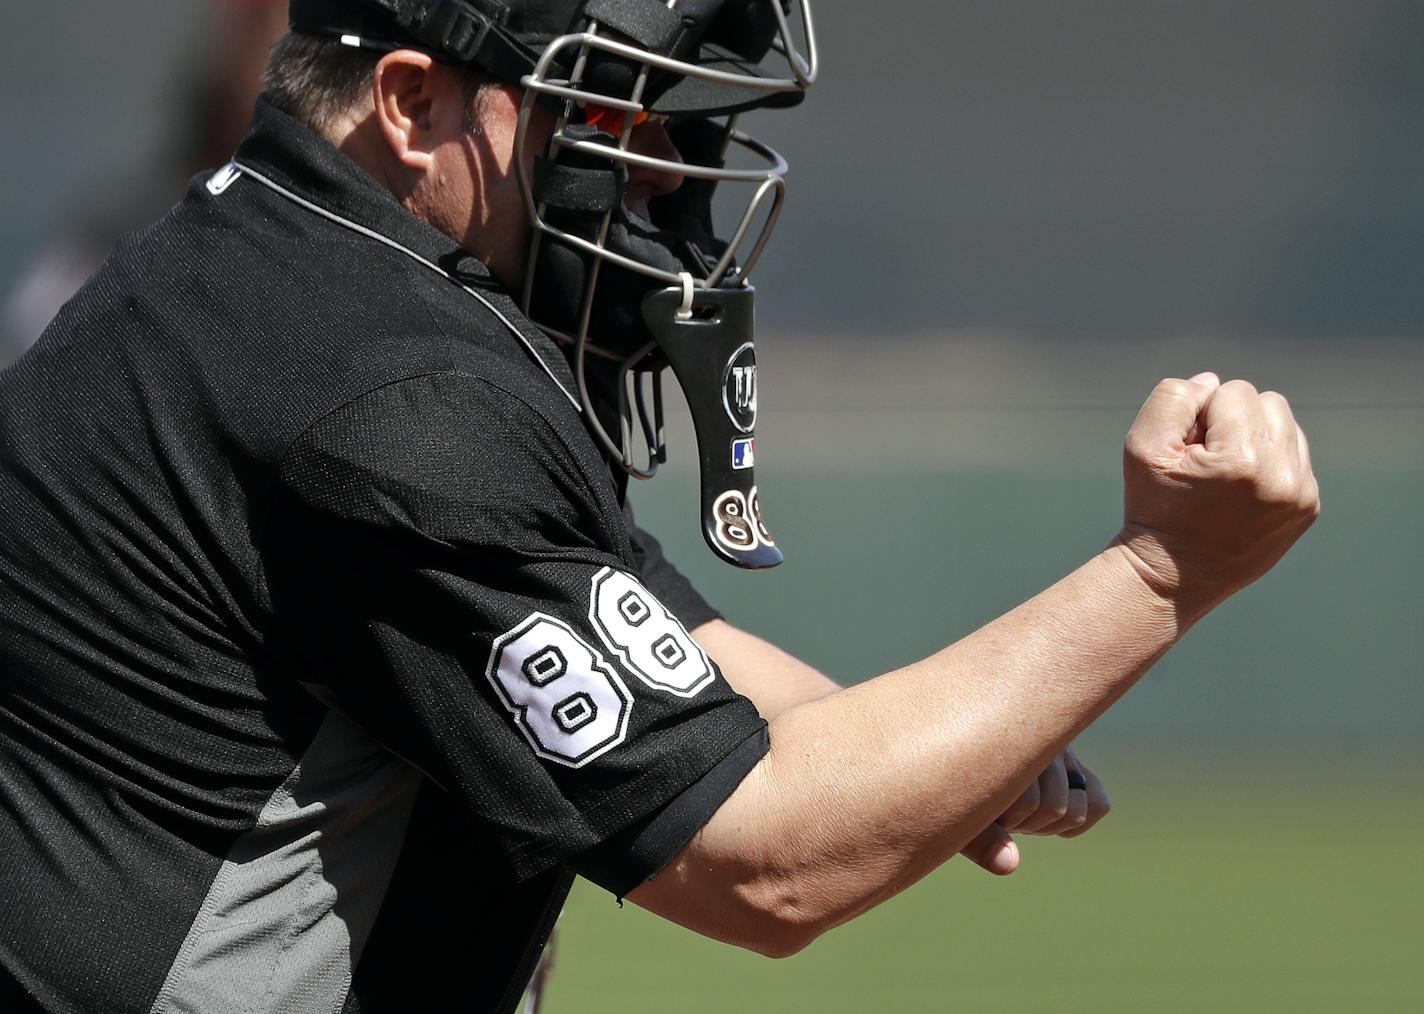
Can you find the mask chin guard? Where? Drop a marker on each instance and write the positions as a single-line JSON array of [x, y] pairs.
[[704, 333]]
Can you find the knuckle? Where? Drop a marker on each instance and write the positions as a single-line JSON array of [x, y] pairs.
[[1016, 814], [1174, 387], [1239, 468], [1239, 387], [1137, 447], [1279, 487]]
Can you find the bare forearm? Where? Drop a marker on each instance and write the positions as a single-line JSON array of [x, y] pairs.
[[867, 790], [774, 680]]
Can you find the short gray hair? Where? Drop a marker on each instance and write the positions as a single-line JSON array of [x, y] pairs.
[[317, 79]]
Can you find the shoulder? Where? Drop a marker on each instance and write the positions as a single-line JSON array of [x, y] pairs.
[[259, 289], [280, 318], [460, 457]]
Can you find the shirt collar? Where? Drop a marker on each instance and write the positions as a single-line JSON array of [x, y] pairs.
[[297, 161]]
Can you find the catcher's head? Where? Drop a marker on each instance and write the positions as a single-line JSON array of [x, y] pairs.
[[626, 125]]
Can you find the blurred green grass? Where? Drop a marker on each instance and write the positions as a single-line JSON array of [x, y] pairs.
[[1207, 890]]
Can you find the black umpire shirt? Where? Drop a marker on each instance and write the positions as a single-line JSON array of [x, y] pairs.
[[327, 651]]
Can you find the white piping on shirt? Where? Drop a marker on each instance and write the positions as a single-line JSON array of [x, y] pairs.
[[236, 167]]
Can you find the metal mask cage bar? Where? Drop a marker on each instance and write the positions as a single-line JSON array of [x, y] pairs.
[[772, 189], [803, 68], [768, 197], [771, 186]]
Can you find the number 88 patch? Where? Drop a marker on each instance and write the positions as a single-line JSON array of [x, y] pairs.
[[645, 636], [738, 520], [570, 704]]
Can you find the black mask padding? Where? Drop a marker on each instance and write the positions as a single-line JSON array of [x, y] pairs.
[[688, 209], [682, 241], [714, 358], [562, 271], [590, 190], [746, 28]]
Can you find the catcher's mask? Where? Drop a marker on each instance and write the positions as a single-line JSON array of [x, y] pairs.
[[632, 295]]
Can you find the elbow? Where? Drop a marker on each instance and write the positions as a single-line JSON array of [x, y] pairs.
[[782, 918], [779, 941]]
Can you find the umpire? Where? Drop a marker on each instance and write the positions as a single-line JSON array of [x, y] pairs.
[[330, 652]]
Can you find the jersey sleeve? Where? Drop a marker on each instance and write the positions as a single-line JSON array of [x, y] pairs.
[[664, 580], [444, 570]]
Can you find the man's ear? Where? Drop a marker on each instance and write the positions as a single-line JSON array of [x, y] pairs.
[[408, 98]]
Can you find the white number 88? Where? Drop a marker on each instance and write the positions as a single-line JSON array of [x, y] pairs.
[[565, 697], [568, 702], [645, 636]]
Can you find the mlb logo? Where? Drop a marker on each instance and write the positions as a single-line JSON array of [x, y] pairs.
[[743, 452]]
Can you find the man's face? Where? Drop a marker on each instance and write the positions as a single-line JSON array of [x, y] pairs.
[[473, 194]]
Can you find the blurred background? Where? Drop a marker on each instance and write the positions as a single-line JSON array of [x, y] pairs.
[[1008, 219]]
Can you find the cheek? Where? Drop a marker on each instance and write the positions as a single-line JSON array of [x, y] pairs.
[[498, 112], [453, 187]]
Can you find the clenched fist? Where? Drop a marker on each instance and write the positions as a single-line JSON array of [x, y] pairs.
[[1218, 485], [1066, 800]]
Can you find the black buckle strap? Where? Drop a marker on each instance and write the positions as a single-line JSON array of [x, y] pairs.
[[579, 189], [579, 181], [455, 26]]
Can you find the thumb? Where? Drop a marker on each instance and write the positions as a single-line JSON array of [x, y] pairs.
[[1168, 418], [993, 850]]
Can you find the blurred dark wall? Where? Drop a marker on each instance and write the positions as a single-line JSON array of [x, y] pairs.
[[1101, 167], [1113, 167]]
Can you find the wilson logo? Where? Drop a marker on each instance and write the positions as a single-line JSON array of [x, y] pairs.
[[739, 388]]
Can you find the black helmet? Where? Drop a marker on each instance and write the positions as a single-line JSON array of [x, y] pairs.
[[729, 38]]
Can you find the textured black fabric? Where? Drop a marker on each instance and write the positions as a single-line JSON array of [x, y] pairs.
[[446, 924], [589, 189], [462, 32], [642, 851], [651, 24], [263, 464], [664, 580]]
